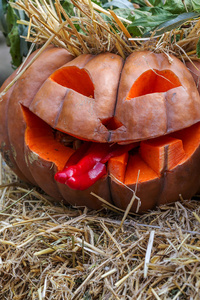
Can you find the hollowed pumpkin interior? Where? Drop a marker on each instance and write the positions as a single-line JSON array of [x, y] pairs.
[[153, 81], [40, 138], [149, 160]]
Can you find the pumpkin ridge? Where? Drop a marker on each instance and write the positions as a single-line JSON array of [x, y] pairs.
[[118, 89], [115, 106], [60, 109], [112, 65]]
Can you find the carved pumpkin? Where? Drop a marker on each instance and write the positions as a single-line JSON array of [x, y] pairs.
[[102, 124]]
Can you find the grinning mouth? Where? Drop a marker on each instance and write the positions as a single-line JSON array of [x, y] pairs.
[[81, 163]]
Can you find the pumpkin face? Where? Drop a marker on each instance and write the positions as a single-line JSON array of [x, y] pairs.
[[101, 124]]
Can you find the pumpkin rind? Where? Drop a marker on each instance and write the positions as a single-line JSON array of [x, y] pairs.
[[194, 69]]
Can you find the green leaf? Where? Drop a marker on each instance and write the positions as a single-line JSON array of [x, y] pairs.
[[198, 49], [139, 2], [134, 31], [174, 23], [13, 38], [178, 6], [152, 20], [3, 25], [15, 46], [196, 5], [11, 18], [126, 13], [119, 4], [68, 7], [24, 45], [156, 2]]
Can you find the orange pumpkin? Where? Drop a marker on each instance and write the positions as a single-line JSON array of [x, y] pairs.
[[101, 124]]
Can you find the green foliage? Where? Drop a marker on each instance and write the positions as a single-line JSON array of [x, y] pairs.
[[12, 32], [165, 17], [3, 25], [12, 37], [68, 7], [198, 49], [152, 19], [174, 23], [119, 4], [196, 5], [179, 6]]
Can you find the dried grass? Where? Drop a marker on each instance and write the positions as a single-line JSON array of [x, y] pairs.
[[48, 251]]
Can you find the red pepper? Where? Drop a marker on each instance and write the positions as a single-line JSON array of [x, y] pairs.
[[85, 180], [87, 164]]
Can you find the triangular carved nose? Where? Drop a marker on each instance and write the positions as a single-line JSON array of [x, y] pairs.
[[111, 123]]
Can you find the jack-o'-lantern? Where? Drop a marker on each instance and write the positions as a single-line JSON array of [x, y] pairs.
[[104, 124]]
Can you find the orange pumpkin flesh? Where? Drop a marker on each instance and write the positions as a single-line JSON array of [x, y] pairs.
[[162, 154], [104, 99]]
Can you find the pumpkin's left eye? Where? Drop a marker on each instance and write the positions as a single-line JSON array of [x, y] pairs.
[[76, 79]]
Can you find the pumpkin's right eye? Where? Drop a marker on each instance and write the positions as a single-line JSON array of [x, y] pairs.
[[153, 81]]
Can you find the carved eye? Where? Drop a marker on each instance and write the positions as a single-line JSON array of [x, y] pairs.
[[76, 79], [153, 81]]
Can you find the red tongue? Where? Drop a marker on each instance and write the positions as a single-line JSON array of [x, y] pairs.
[[87, 164]]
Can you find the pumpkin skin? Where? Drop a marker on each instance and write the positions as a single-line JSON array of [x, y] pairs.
[[194, 69], [103, 99]]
